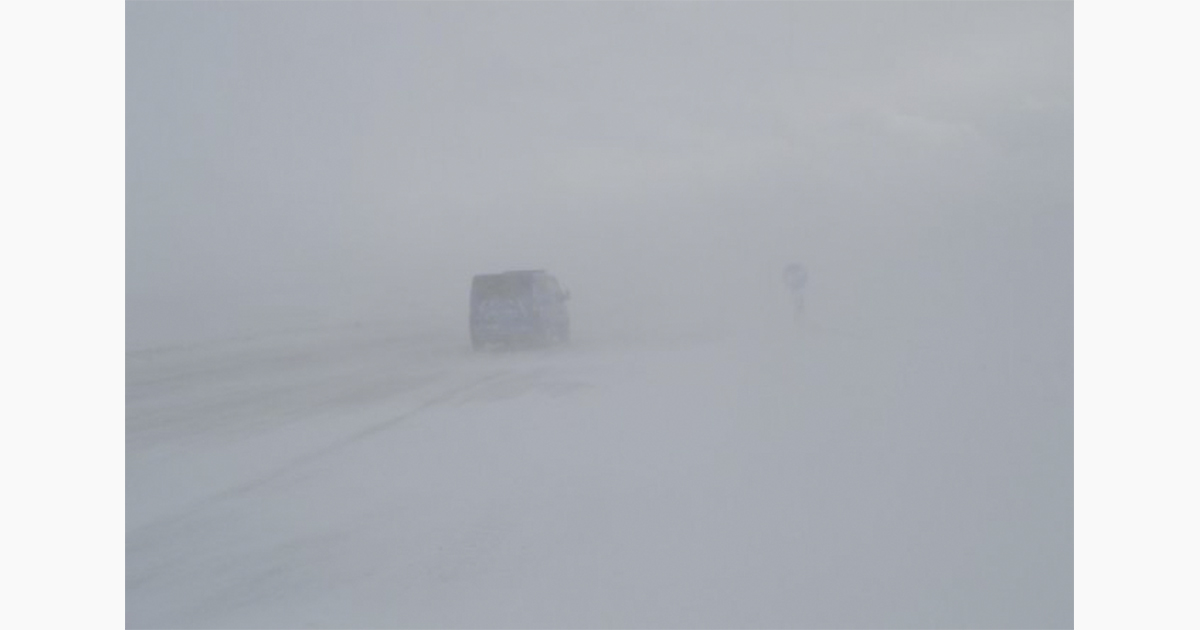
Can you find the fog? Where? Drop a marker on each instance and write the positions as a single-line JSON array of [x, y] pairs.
[[317, 163], [331, 176]]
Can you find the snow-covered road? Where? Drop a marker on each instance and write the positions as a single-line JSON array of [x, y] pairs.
[[779, 478]]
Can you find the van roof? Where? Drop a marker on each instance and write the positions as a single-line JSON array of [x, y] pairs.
[[519, 272]]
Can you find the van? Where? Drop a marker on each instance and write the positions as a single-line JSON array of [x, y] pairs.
[[518, 308]]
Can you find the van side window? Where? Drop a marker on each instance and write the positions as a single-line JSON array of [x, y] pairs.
[[547, 287]]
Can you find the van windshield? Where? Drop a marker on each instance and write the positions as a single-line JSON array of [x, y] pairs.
[[502, 286]]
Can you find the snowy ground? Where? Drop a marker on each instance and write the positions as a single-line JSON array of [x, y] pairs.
[[809, 477]]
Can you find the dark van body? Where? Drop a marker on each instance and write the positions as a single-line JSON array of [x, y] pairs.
[[518, 308]]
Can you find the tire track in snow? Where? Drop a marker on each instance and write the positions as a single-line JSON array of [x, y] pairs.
[[138, 537]]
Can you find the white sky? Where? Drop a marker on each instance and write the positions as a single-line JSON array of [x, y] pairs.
[[300, 163]]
